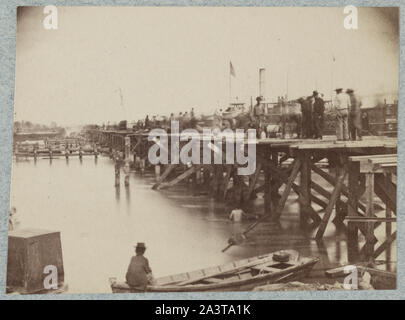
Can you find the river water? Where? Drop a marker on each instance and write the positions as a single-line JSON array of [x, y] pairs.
[[100, 224]]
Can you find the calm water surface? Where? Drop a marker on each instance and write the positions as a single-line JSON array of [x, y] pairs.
[[100, 224]]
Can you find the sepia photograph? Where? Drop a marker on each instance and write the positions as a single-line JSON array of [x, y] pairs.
[[204, 149]]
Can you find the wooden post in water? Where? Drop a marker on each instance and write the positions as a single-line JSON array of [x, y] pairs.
[[267, 192], [353, 199], [117, 171], [369, 193], [127, 141], [80, 153], [67, 152], [95, 151], [35, 153], [305, 186], [198, 176], [157, 172]]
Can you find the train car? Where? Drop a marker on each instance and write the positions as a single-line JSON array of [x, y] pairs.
[[382, 119]]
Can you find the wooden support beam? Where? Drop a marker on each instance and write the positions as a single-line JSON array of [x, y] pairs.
[[227, 177], [176, 180], [310, 212], [332, 180], [319, 201], [163, 177], [369, 245], [217, 180], [280, 174], [328, 178], [370, 219], [353, 252], [385, 245], [305, 186], [254, 179], [386, 190], [284, 158], [353, 200], [331, 204], [318, 188], [268, 207], [296, 167], [388, 226]]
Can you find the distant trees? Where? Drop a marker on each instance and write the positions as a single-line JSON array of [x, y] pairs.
[[28, 126]]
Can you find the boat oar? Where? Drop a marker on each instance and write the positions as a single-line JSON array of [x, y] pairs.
[[286, 277], [234, 240]]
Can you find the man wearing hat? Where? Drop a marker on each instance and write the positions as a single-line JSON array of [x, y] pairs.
[[139, 273], [354, 116], [319, 109], [341, 106], [307, 115], [258, 112]]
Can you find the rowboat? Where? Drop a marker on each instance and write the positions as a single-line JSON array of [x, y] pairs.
[[241, 275]]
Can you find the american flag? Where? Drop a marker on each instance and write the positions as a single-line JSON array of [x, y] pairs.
[[231, 69]]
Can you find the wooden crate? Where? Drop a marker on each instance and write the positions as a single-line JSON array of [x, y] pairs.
[[29, 252]]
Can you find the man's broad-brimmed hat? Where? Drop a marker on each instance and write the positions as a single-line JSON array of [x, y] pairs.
[[349, 91], [338, 89], [140, 245], [259, 98]]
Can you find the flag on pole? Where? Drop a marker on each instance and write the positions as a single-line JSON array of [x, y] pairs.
[[231, 69]]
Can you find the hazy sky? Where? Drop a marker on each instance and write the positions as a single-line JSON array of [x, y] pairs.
[[113, 63]]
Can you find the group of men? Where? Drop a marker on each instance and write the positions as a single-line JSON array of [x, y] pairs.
[[346, 110], [312, 120], [186, 120], [310, 124], [346, 106]]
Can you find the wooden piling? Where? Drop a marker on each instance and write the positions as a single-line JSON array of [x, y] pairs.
[[157, 172], [127, 148], [67, 151], [353, 230], [117, 173], [95, 151], [369, 246], [305, 187]]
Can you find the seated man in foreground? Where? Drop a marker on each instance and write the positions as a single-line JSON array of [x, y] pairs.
[[139, 274]]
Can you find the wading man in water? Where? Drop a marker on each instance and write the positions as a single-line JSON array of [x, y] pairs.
[[139, 274]]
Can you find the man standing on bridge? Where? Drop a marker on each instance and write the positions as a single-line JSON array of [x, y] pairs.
[[354, 116], [306, 119], [257, 113], [319, 109], [341, 105]]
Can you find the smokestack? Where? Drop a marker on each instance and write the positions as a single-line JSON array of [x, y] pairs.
[[262, 80]]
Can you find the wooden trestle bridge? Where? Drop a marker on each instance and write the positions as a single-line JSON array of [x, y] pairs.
[[358, 172]]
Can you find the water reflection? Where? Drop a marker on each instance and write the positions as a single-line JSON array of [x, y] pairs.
[[128, 199], [117, 193]]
